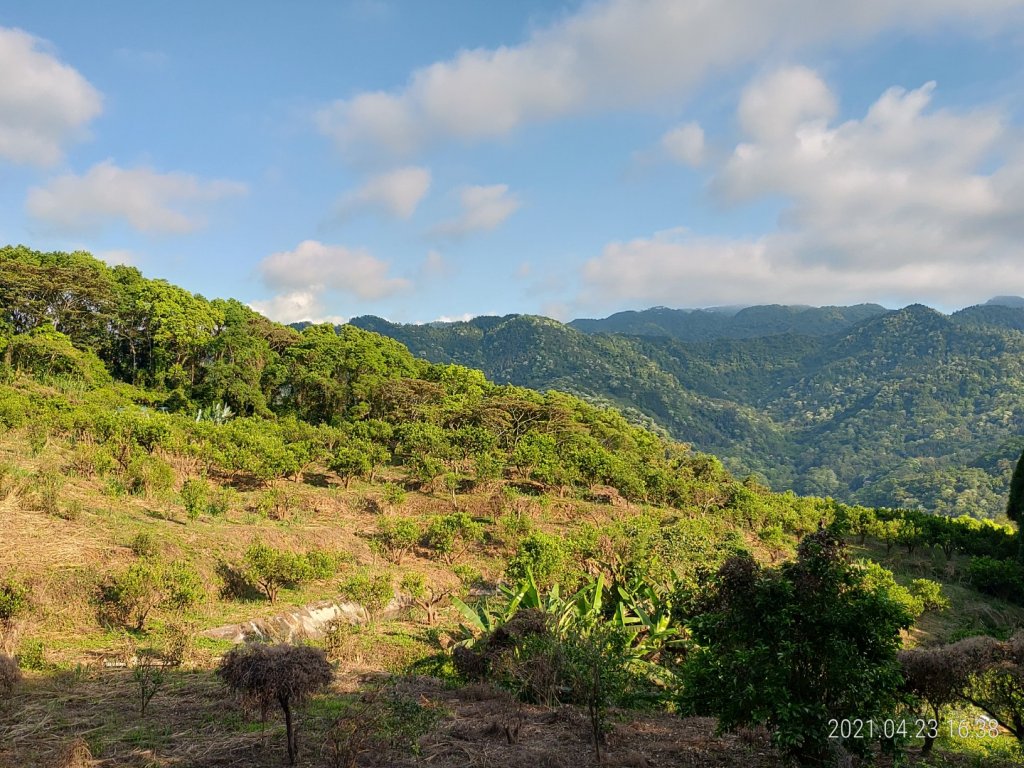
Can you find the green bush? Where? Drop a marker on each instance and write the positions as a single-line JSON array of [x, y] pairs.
[[195, 497], [1001, 578], [876, 577], [148, 475], [393, 495], [143, 544], [451, 535], [45, 490], [541, 554], [90, 461], [31, 655], [396, 536], [128, 599], [372, 591], [270, 568], [322, 564], [221, 501], [14, 600], [930, 594]]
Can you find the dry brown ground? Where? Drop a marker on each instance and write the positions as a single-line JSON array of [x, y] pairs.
[[194, 724]]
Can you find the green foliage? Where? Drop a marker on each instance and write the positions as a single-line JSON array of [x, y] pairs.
[[270, 568], [127, 599], [393, 495], [321, 564], [427, 597], [542, 555], [195, 497], [865, 405], [49, 354], [1000, 578], [881, 580], [148, 475], [383, 721], [596, 647], [373, 592], [45, 489], [395, 537], [451, 534], [14, 600], [930, 594], [31, 655], [1015, 503], [143, 544], [819, 637]]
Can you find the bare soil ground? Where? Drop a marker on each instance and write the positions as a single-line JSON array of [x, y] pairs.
[[193, 722]]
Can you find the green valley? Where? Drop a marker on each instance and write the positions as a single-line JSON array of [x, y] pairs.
[[905, 408]]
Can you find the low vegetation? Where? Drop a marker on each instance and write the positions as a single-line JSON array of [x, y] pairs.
[[180, 474]]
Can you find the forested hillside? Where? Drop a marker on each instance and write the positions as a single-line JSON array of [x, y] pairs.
[[908, 407], [725, 323], [435, 563]]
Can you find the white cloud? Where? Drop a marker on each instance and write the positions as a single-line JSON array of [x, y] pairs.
[[44, 103], [145, 199], [483, 208], [902, 203], [688, 271], [616, 54], [685, 144], [314, 267], [118, 256], [434, 266], [396, 192], [463, 318], [773, 106], [296, 307]]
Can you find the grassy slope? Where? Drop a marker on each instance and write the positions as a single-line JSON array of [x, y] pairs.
[[189, 725]]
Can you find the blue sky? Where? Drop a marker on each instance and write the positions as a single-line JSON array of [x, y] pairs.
[[424, 160]]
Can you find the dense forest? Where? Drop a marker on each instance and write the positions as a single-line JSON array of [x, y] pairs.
[[510, 577], [911, 407]]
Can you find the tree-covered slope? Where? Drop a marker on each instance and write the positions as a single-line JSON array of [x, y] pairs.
[[749, 322], [907, 407]]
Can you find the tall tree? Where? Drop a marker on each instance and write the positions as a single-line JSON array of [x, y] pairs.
[[1015, 504]]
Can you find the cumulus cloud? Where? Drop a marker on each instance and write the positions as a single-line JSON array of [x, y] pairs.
[[483, 208], [44, 103], [145, 199], [615, 54], [901, 203], [684, 144], [314, 267], [396, 192], [296, 307], [772, 106]]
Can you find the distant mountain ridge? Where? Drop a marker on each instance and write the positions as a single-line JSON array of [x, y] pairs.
[[906, 407], [749, 322]]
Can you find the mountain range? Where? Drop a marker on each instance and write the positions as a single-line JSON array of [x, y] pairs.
[[908, 407]]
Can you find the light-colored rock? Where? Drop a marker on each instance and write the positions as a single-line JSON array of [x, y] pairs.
[[307, 622]]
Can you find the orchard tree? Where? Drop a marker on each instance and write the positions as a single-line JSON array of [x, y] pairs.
[[270, 568], [790, 648]]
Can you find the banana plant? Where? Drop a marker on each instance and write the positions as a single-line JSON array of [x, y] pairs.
[[646, 614]]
